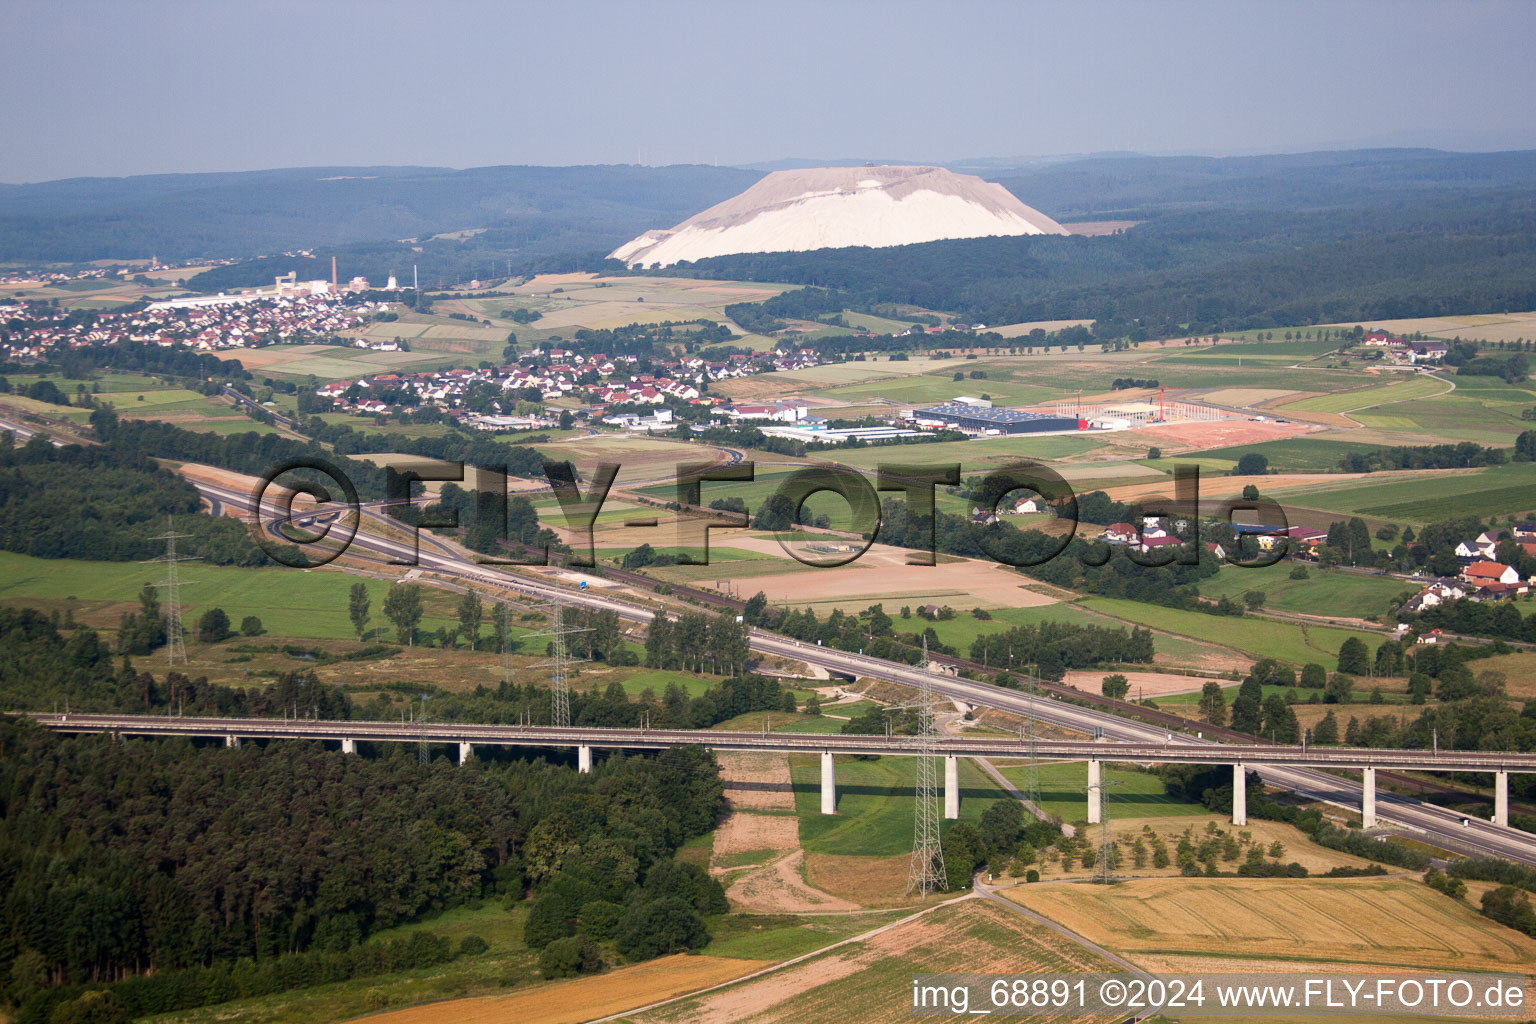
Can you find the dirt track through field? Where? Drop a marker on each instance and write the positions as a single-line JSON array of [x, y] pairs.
[[778, 888]]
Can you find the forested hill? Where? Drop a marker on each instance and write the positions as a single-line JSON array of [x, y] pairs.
[[1135, 187], [174, 876], [1193, 272], [529, 210]]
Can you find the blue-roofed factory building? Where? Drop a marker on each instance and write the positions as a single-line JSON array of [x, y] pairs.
[[980, 419]]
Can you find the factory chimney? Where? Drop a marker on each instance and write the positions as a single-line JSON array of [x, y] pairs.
[[333, 274]]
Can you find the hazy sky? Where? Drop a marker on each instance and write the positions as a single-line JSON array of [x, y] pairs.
[[111, 88]]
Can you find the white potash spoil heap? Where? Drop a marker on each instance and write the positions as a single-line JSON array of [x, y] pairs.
[[834, 207]]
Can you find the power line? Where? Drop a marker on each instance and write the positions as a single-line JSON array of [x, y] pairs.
[[504, 637], [1106, 840], [1032, 771], [175, 645], [559, 664], [423, 748], [926, 870]]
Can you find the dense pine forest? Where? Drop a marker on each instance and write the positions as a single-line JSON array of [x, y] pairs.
[[200, 865]]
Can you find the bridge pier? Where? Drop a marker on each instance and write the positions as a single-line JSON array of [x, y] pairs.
[[584, 759], [348, 746], [828, 784], [1501, 798], [1368, 798], [951, 788], [1239, 795], [231, 740], [1095, 792], [466, 751]]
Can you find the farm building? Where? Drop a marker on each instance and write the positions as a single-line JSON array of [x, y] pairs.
[[980, 419]]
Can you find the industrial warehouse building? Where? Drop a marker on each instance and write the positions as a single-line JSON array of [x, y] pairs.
[[979, 419]]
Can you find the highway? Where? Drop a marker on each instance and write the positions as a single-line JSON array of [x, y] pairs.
[[1434, 824]]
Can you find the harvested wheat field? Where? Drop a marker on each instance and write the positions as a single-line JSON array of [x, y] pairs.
[[868, 881], [882, 574], [757, 782], [1232, 486], [751, 833], [1143, 684], [1388, 921], [1133, 817], [569, 1002], [870, 979], [1218, 434], [779, 888]]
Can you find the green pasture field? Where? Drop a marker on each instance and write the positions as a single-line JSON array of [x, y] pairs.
[[784, 936], [875, 324], [616, 446], [1063, 791], [975, 455], [1494, 491], [960, 631], [718, 552], [106, 383], [231, 426], [1207, 466], [780, 721], [762, 565], [1324, 592], [1184, 703], [507, 962], [1262, 638], [753, 492], [1288, 351], [308, 604], [874, 803], [613, 511], [138, 404], [657, 681], [1296, 455], [1369, 398], [933, 388], [1483, 409], [334, 362], [1253, 373], [755, 342]]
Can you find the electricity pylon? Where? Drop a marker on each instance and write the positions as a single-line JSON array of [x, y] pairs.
[[423, 748], [559, 664], [175, 646], [505, 639], [1032, 772], [926, 871], [1106, 840]]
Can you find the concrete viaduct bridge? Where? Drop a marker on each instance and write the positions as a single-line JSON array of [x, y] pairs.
[[1241, 758]]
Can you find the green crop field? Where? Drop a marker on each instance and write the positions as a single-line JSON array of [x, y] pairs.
[[964, 628], [1370, 398], [874, 804], [784, 936], [932, 388], [290, 602], [1261, 638], [976, 455], [1063, 791], [1297, 455], [1323, 592], [763, 565], [1272, 351], [1426, 498]]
